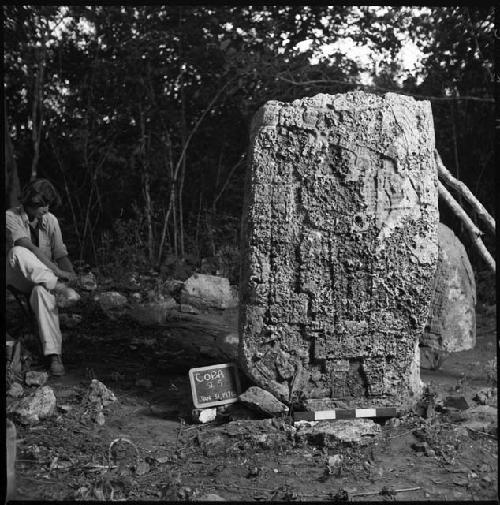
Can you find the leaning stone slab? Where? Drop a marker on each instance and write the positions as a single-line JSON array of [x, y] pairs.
[[262, 401], [339, 247], [330, 433], [39, 405], [452, 320]]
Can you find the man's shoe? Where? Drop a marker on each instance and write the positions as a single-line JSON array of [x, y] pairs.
[[56, 366]]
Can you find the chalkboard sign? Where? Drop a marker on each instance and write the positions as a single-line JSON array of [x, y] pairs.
[[214, 385]]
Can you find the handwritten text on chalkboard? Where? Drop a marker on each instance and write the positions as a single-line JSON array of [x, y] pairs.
[[214, 385]]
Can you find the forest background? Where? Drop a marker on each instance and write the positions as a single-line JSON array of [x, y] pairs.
[[140, 115]]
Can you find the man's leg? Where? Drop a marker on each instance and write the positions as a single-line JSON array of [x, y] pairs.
[[45, 307], [27, 273]]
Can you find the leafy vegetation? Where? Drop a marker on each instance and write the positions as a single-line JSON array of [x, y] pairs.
[[140, 114]]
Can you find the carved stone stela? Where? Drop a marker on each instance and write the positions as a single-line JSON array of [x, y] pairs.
[[340, 247]]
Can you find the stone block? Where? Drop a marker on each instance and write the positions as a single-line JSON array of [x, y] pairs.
[[339, 247], [452, 320]]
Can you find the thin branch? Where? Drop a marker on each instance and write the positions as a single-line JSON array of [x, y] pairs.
[[459, 186], [471, 228], [369, 86], [228, 178]]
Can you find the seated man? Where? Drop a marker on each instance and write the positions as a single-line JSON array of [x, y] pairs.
[[33, 244]]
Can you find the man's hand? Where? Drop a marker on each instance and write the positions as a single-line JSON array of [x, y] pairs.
[[66, 275]]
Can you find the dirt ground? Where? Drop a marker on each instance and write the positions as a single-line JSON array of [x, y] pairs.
[[164, 457]]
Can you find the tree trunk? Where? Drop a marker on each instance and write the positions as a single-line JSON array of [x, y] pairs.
[[12, 185], [37, 107]]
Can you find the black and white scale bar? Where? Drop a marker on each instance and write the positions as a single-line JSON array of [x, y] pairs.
[[322, 415]]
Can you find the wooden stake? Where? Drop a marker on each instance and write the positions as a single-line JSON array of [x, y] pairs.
[[459, 186], [471, 228]]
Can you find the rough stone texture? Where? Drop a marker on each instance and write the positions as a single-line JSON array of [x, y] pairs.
[[15, 390], [328, 433], [34, 378], [205, 291], [452, 321], [339, 247], [263, 401], [32, 408]]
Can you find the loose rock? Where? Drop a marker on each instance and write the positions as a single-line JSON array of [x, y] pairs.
[[99, 393], [203, 416], [111, 300], [263, 401], [33, 378], [87, 282], [208, 291], [39, 405], [15, 390]]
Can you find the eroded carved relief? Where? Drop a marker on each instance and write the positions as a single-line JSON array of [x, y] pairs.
[[340, 247]]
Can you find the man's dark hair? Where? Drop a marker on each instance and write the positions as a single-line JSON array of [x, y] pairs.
[[39, 193]]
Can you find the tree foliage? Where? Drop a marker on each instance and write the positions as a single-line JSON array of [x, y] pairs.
[[140, 114]]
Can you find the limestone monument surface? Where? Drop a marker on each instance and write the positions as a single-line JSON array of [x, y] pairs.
[[452, 320], [340, 247]]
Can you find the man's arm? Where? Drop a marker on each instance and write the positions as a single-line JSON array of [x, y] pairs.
[[65, 264], [26, 242]]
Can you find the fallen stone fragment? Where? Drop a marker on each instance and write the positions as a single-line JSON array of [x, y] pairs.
[[328, 433], [456, 402], [33, 378], [67, 297], [31, 409], [87, 282], [111, 300], [262, 401], [15, 390], [208, 291], [203, 416], [99, 393], [335, 460]]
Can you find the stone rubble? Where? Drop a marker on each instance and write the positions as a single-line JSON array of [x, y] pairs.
[[15, 390], [34, 407], [33, 378]]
